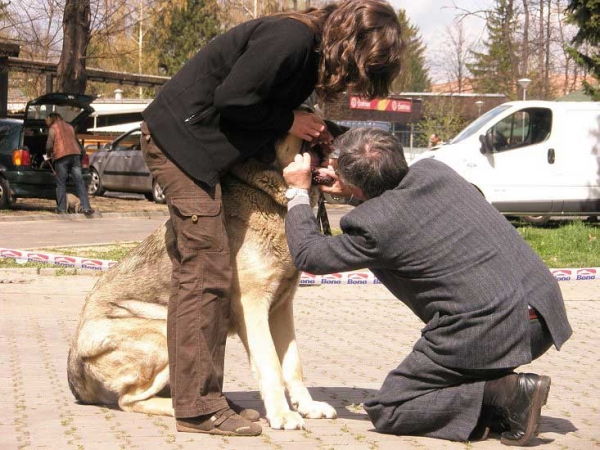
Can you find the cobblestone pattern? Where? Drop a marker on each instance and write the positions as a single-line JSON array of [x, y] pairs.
[[349, 337]]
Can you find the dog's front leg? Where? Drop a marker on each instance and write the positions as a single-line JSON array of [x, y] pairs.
[[284, 337], [256, 337]]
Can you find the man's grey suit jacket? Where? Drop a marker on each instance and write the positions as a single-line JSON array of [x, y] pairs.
[[458, 264]]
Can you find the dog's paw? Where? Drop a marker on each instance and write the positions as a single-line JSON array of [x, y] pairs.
[[316, 410], [287, 420]]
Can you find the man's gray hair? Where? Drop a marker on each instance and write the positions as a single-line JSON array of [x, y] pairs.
[[370, 159]]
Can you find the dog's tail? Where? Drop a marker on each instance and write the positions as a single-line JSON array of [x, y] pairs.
[[83, 385], [76, 376]]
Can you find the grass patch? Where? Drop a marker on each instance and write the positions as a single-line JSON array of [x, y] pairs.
[[560, 243], [564, 243]]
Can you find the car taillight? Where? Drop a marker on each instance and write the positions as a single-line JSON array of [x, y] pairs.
[[21, 157], [85, 161]]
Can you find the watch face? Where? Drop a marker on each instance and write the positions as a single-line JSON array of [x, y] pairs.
[[293, 192]]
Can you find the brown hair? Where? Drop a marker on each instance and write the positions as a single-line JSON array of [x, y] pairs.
[[52, 117], [360, 47]]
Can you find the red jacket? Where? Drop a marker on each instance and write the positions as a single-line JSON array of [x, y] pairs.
[[62, 140]]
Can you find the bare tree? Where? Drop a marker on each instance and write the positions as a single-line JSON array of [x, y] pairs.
[[525, 44], [457, 55], [71, 73]]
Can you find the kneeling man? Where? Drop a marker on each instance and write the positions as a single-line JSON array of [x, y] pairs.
[[489, 303]]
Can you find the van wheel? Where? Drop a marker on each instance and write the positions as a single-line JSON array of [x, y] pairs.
[[536, 220], [157, 193], [5, 197], [95, 188]]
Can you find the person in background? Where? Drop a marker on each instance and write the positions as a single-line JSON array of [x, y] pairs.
[[234, 99], [434, 140], [64, 150], [488, 302]]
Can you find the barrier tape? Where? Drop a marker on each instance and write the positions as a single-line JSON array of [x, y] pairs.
[[306, 279], [24, 256]]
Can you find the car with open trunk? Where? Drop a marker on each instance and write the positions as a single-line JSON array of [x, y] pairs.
[[23, 145]]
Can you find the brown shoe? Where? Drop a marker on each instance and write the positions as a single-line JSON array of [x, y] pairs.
[[247, 413], [224, 422]]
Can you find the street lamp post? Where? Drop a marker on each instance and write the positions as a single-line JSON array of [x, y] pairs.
[[479, 104], [524, 82]]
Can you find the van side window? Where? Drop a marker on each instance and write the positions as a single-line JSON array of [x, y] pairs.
[[527, 127]]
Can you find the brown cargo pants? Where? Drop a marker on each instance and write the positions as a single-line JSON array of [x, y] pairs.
[[199, 304]]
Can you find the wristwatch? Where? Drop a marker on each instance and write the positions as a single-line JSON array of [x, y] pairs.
[[296, 192]]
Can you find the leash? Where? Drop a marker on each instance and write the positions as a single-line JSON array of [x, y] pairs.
[[49, 161], [322, 219]]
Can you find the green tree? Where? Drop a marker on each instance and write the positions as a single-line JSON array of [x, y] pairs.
[[444, 116], [414, 76], [495, 70], [586, 15], [181, 30]]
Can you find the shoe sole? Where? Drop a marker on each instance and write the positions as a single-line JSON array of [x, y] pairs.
[[540, 398], [214, 431]]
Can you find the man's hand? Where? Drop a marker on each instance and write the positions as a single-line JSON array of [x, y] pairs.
[[337, 188], [298, 173], [306, 125]]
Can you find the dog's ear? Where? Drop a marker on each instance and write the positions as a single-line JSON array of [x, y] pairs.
[[335, 129]]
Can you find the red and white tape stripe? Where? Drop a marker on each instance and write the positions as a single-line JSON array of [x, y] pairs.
[[355, 278], [24, 256], [306, 279]]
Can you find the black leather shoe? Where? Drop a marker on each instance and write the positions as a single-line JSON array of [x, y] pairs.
[[523, 415]]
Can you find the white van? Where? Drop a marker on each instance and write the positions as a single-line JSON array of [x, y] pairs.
[[531, 158]]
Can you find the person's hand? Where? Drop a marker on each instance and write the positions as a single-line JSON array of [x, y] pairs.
[[306, 125], [298, 173], [338, 189], [325, 142]]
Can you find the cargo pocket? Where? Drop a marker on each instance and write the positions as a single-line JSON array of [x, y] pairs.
[[198, 224]]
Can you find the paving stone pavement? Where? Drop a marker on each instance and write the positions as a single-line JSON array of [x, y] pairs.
[[349, 337]]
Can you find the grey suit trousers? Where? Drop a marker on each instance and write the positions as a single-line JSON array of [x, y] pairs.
[[423, 398]]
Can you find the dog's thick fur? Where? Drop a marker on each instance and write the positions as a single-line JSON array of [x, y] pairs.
[[119, 352]]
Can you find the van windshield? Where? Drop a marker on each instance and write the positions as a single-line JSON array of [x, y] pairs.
[[474, 126]]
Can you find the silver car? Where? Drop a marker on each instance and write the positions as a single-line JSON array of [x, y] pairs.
[[120, 166]]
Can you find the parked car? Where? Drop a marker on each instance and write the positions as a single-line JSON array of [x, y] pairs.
[[120, 166], [534, 159], [23, 145]]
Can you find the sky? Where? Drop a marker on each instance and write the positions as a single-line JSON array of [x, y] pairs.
[[432, 17]]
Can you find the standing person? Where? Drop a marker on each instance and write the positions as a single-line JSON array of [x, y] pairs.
[[63, 148], [488, 302], [234, 99]]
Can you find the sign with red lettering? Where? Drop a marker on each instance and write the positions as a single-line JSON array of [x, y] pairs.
[[387, 104]]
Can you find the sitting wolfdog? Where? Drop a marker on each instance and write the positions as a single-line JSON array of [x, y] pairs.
[[119, 352]]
